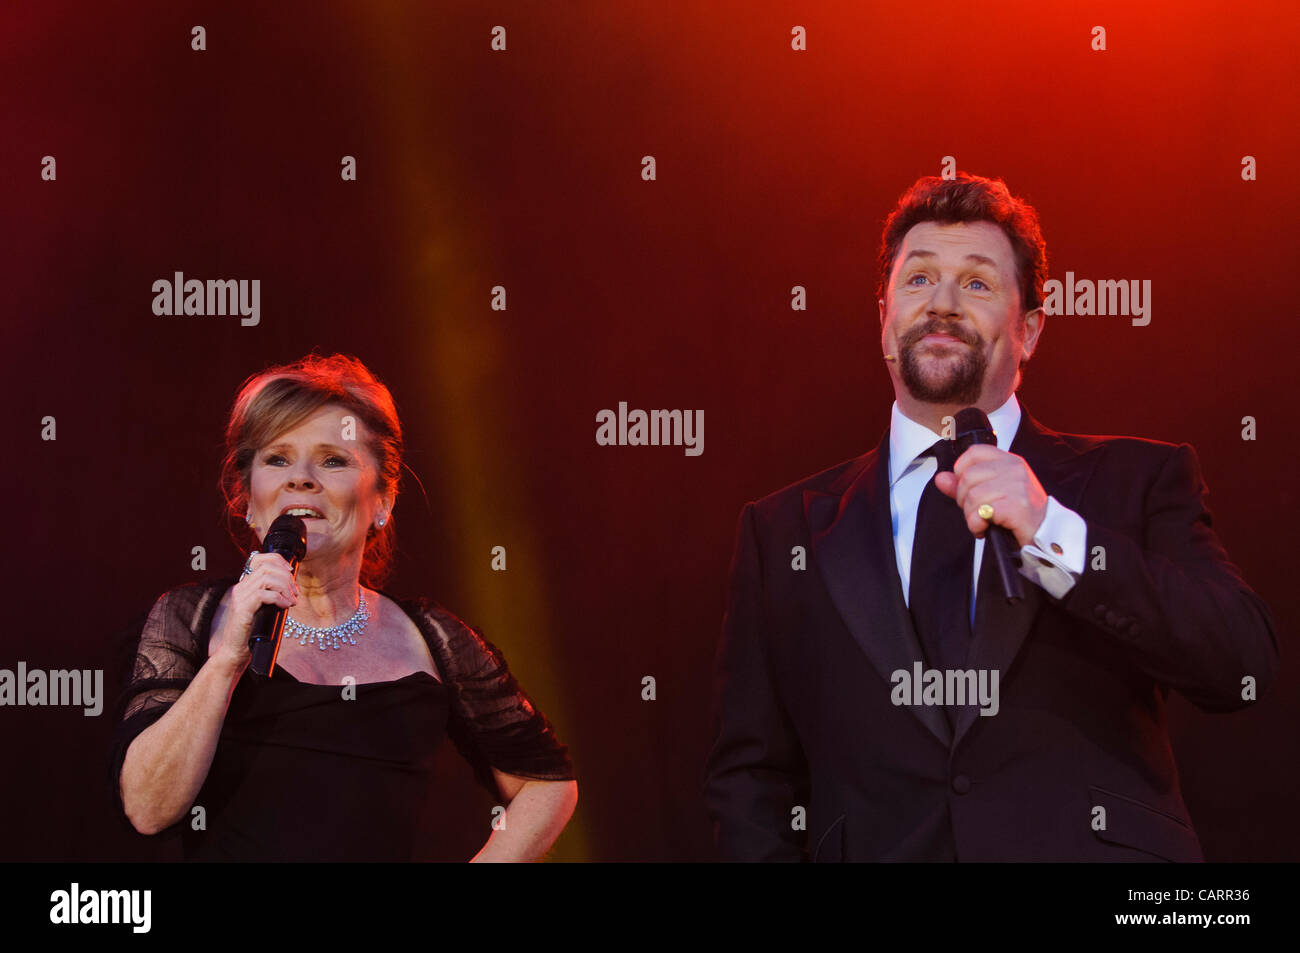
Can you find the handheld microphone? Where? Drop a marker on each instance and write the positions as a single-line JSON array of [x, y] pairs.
[[288, 537], [972, 427]]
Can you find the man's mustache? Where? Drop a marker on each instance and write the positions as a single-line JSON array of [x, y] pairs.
[[954, 331]]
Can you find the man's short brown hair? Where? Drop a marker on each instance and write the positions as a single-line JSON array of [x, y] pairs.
[[970, 198]]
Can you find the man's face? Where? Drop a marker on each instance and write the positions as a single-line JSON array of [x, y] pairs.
[[952, 315]]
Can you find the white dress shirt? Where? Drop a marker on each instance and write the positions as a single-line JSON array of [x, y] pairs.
[[1053, 561]]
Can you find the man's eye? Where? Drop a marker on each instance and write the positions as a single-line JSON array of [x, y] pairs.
[[914, 277], [980, 281]]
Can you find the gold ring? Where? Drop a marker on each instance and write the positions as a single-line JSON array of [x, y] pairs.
[[986, 512]]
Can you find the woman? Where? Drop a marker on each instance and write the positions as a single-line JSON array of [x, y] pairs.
[[330, 757]]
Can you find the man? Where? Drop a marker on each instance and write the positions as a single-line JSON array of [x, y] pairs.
[[879, 697]]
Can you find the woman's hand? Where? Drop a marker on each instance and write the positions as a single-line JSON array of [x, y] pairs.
[[165, 766], [270, 582]]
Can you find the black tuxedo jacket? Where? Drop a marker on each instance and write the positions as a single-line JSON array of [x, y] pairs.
[[812, 760]]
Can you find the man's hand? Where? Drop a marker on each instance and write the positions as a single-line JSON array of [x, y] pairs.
[[985, 474]]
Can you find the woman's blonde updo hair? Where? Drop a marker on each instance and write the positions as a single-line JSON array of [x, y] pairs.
[[280, 398]]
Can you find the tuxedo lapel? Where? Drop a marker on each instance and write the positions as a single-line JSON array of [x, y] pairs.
[[853, 548], [1000, 629], [851, 530]]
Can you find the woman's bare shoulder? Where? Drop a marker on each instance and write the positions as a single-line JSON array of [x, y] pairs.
[[404, 637]]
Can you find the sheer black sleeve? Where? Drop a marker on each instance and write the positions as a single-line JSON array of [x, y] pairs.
[[169, 653], [492, 721]]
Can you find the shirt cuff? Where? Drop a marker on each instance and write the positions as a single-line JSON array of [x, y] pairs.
[[1054, 560]]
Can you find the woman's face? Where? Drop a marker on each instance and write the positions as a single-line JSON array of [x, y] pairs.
[[316, 466]]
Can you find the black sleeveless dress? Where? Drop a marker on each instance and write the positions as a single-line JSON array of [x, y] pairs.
[[306, 772]]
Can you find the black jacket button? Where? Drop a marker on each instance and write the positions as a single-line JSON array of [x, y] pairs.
[[961, 784]]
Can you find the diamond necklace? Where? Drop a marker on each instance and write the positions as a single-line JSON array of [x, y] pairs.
[[336, 635]]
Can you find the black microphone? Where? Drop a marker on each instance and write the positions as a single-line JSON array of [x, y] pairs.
[[288, 537], [972, 427]]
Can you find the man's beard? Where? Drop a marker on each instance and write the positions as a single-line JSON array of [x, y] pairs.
[[962, 378]]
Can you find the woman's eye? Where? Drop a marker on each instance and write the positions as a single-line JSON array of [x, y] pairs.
[[271, 460]]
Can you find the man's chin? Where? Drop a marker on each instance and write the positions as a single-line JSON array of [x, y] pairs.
[[942, 391], [934, 397], [939, 377]]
